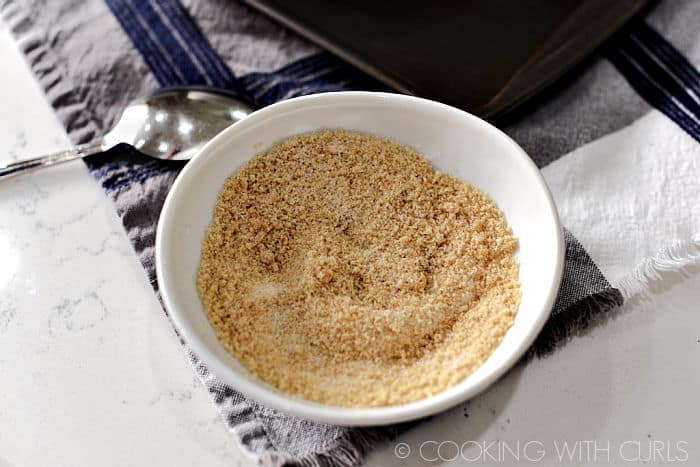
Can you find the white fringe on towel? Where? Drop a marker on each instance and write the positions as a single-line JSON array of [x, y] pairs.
[[680, 259]]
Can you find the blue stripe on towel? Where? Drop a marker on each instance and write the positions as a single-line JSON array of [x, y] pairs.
[[137, 31], [685, 70], [659, 73], [178, 21], [333, 78], [256, 82], [171, 48]]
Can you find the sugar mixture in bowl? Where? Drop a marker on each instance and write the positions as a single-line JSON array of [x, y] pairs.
[[341, 268]]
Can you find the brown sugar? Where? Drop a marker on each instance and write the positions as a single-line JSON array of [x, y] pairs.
[[341, 268]]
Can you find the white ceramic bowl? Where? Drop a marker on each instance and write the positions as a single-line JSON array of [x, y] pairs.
[[454, 141]]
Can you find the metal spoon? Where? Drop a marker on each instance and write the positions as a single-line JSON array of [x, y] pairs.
[[169, 124]]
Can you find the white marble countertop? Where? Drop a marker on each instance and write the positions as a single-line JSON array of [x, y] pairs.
[[92, 373]]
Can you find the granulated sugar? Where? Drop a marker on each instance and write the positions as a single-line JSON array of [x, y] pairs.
[[340, 267]]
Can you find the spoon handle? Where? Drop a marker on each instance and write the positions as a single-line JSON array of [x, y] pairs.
[[78, 152]]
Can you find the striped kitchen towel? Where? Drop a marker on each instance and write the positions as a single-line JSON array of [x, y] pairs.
[[617, 141]]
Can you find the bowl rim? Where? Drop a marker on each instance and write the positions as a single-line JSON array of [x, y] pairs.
[[322, 412]]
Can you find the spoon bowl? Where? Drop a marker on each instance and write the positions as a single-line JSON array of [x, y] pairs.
[[175, 123]]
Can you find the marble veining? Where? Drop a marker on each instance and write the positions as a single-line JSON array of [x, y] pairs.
[[8, 312], [77, 314]]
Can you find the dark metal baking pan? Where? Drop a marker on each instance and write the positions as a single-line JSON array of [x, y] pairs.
[[485, 56]]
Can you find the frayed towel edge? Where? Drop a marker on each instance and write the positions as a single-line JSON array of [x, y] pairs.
[[350, 449], [681, 258]]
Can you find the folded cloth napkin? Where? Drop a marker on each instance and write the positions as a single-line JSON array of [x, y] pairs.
[[93, 56]]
